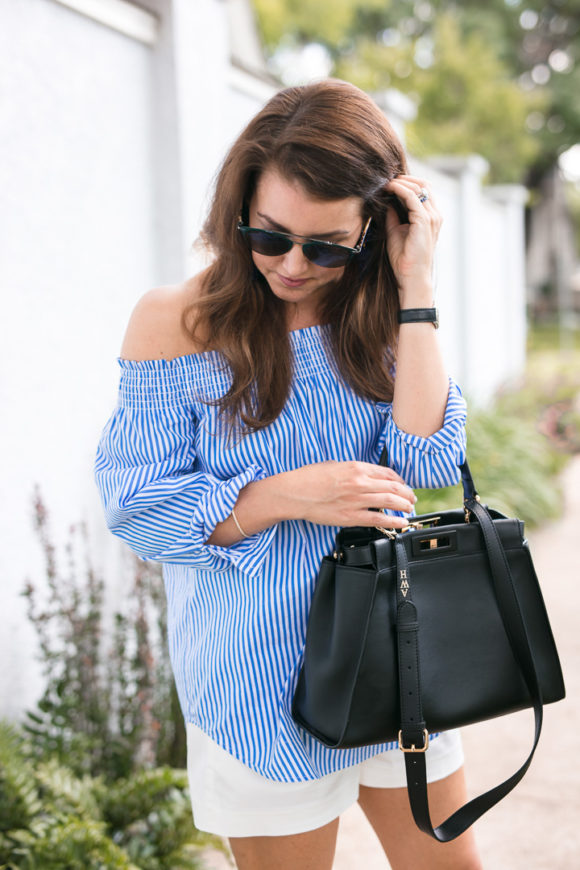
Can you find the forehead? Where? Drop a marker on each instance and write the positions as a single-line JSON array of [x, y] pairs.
[[288, 203]]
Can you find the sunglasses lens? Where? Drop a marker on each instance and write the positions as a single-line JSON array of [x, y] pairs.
[[272, 244], [323, 255], [267, 243]]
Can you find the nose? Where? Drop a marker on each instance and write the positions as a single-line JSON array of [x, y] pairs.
[[294, 262]]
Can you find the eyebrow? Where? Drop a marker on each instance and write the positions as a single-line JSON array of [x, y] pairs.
[[333, 235]]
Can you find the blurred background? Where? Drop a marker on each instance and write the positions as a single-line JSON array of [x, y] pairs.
[[114, 118]]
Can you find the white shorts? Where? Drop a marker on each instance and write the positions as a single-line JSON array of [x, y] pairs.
[[231, 800]]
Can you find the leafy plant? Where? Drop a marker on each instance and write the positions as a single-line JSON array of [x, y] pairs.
[[150, 817], [51, 819], [109, 706], [513, 468], [517, 447]]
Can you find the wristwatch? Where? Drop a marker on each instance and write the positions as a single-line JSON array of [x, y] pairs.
[[419, 315]]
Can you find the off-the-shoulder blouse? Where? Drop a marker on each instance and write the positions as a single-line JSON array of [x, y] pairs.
[[167, 474]]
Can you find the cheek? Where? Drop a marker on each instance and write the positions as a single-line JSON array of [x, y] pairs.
[[263, 263], [331, 276]]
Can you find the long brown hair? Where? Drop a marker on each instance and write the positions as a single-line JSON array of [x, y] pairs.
[[334, 140]]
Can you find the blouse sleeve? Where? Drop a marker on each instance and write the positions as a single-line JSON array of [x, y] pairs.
[[154, 497], [429, 463]]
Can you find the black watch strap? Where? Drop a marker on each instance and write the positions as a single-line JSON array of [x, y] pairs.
[[419, 315]]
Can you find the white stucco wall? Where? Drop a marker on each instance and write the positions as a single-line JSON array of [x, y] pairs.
[[76, 237]]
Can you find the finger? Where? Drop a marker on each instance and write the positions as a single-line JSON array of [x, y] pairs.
[[384, 487], [380, 520], [391, 501], [381, 471], [380, 488], [417, 185], [409, 194], [415, 180]]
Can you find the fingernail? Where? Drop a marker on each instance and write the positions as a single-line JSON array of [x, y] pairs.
[[414, 499]]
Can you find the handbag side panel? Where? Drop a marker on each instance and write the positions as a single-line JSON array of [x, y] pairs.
[[335, 640], [374, 715]]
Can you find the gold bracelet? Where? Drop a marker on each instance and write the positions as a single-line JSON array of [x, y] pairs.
[[240, 530]]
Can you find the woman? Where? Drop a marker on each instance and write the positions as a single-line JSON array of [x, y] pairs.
[[255, 400]]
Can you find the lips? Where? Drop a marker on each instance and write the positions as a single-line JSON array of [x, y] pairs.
[[289, 282]]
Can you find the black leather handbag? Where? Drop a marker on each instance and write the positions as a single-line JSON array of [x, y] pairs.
[[420, 631]]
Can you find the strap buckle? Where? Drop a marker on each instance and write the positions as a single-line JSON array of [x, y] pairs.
[[412, 747]]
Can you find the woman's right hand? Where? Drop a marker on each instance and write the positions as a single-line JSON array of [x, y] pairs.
[[342, 493]]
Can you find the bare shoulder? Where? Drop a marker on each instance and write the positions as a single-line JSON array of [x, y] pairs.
[[156, 329]]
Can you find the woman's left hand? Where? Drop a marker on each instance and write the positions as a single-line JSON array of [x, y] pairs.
[[411, 246]]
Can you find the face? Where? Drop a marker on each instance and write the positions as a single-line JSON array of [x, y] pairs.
[[283, 205]]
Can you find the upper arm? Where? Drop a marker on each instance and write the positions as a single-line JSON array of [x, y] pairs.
[[155, 329]]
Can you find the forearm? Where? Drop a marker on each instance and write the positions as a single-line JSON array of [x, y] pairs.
[[333, 493], [260, 504], [421, 382]]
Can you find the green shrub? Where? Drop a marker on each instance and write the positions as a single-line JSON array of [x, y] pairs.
[[150, 816], [51, 819], [513, 468], [109, 705], [517, 448], [86, 783]]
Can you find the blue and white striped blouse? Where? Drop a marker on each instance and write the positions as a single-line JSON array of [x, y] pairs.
[[237, 615]]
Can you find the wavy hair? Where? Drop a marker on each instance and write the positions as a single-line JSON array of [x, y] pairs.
[[334, 140]]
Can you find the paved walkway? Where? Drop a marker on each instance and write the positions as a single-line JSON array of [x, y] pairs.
[[537, 827]]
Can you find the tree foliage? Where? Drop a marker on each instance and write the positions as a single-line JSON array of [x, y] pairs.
[[499, 78], [462, 72]]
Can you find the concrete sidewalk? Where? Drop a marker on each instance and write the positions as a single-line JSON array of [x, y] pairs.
[[537, 827]]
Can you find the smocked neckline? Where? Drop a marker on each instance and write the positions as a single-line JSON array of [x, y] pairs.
[[296, 336]]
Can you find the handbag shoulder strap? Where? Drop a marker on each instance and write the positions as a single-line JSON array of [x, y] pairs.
[[469, 491], [413, 737]]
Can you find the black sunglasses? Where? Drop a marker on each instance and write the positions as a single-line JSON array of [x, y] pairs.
[[273, 244]]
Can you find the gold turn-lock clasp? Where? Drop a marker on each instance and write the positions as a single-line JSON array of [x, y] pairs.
[[412, 747], [429, 521]]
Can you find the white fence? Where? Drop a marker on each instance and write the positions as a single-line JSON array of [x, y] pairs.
[[112, 130]]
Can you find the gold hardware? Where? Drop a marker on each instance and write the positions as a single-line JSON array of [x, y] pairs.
[[433, 543], [430, 521], [468, 512], [388, 532], [413, 748]]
